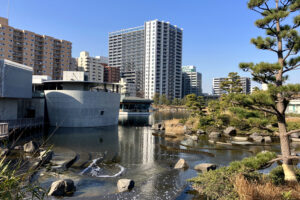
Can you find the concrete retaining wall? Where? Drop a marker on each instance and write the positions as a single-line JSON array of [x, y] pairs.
[[73, 108]]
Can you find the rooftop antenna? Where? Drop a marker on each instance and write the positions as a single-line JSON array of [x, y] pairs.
[[8, 9]]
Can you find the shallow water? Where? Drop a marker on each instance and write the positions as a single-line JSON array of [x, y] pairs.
[[129, 150]]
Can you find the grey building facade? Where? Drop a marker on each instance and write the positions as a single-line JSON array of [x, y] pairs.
[[245, 81], [127, 51], [191, 81]]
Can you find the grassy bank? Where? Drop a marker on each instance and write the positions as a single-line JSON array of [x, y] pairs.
[[242, 180]]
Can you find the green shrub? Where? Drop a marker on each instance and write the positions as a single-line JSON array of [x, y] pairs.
[[277, 175], [218, 184], [293, 125]]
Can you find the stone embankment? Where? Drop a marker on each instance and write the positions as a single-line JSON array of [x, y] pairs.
[[173, 129]]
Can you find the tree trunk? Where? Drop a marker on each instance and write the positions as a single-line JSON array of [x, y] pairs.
[[287, 165]]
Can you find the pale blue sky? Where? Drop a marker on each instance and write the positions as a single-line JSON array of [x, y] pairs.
[[216, 33]]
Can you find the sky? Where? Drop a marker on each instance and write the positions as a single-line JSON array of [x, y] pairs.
[[216, 33]]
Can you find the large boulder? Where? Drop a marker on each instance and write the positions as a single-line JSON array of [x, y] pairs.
[[181, 164], [45, 156], [204, 167], [295, 135], [194, 137], [254, 135], [158, 126], [258, 139], [200, 132], [63, 187], [214, 135], [30, 147], [240, 138], [268, 139], [125, 185], [230, 131]]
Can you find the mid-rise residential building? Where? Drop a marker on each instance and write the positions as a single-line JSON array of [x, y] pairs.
[[127, 89], [191, 81], [93, 66], [217, 90], [111, 74], [150, 57], [46, 55]]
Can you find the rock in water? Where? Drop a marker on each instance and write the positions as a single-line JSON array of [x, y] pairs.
[[214, 135], [125, 185], [258, 139], [45, 156], [230, 131], [240, 138], [201, 132], [295, 135], [268, 139], [194, 137], [204, 167], [64, 187], [181, 164], [30, 147]]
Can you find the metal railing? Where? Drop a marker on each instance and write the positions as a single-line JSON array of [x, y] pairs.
[[23, 123], [3, 130]]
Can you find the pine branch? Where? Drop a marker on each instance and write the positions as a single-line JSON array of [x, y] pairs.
[[280, 157], [290, 68], [293, 131], [289, 53], [258, 108]]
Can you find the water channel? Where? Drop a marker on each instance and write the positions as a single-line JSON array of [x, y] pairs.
[[129, 150]]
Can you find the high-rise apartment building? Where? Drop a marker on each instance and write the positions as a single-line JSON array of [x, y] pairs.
[[93, 66], [149, 56], [45, 54], [191, 81], [111, 74], [127, 51], [245, 82]]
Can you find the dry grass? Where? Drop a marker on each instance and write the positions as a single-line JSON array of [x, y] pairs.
[[293, 119], [173, 127], [264, 191], [192, 122]]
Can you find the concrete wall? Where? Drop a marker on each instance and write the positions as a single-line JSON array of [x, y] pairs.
[[12, 109], [8, 109], [71, 108], [38, 105], [15, 80]]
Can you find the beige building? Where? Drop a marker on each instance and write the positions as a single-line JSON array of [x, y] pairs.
[[47, 55], [93, 66]]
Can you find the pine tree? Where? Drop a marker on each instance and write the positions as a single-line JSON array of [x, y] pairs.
[[195, 104], [282, 39], [156, 99], [232, 83]]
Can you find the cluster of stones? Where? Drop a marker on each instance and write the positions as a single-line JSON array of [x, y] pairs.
[[64, 187], [202, 167]]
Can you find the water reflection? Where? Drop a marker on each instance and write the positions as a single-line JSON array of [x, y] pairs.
[[132, 146]]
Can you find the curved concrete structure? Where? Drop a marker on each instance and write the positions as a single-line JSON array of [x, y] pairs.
[[76, 108]]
